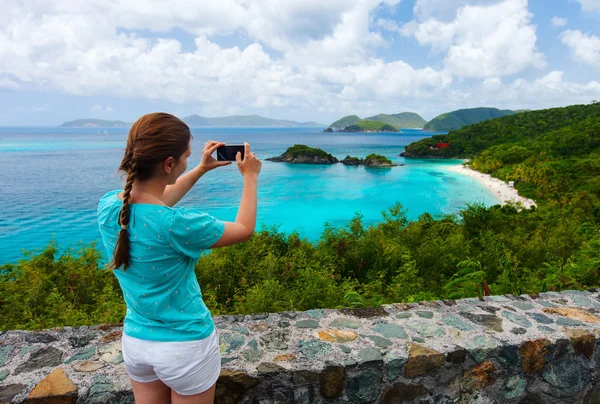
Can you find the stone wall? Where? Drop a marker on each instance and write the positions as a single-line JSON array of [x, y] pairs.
[[515, 349]]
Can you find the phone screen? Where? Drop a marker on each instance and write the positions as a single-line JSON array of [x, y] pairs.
[[228, 152]]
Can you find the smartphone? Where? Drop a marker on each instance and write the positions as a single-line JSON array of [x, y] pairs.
[[228, 152]]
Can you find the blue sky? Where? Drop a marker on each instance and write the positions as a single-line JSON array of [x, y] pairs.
[[303, 60]]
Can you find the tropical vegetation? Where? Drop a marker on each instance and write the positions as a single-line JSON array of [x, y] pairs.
[[457, 119]]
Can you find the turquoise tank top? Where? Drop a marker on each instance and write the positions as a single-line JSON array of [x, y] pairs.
[[161, 291]]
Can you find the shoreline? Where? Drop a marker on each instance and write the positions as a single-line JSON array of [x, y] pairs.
[[500, 189]]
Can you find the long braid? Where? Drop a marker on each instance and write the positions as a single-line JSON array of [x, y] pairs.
[[122, 249]]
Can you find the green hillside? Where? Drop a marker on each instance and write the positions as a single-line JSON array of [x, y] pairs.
[[370, 126], [95, 123], [401, 120], [244, 120], [462, 117], [345, 121]]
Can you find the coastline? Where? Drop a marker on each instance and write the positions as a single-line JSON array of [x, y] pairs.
[[500, 189]]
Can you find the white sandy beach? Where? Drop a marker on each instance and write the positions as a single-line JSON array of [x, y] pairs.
[[501, 190]]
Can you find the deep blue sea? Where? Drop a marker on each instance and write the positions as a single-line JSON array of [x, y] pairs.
[[52, 179]]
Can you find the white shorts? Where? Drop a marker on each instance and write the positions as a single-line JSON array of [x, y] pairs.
[[187, 367]]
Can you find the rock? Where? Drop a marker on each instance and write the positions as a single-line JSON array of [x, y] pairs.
[[424, 314], [509, 356], [376, 160], [306, 324], [47, 356], [338, 336], [302, 376], [112, 336], [345, 323], [276, 340], [487, 320], [364, 386], [369, 355], [568, 376], [394, 364], [401, 393], [351, 161], [459, 355], [227, 360], [315, 348], [523, 306], [230, 341], [404, 315], [284, 357], [82, 354], [573, 314], [5, 353], [40, 337], [593, 395], [333, 379], [79, 342], [379, 341], [583, 342], [569, 322], [365, 312], [301, 154], [517, 319], [232, 385], [259, 316], [518, 331], [540, 318], [514, 387], [314, 313], [252, 355], [456, 322], [8, 392], [534, 355], [422, 360], [3, 374], [345, 349], [28, 348], [56, 387], [111, 353], [302, 395], [390, 330], [426, 329], [268, 369], [88, 366], [241, 330], [481, 346], [480, 376]]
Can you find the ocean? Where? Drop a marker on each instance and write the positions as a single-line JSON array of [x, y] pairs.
[[52, 179]]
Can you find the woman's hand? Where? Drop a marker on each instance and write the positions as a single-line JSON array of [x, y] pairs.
[[208, 162], [250, 165]]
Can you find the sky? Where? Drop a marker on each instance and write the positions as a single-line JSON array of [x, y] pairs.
[[304, 60]]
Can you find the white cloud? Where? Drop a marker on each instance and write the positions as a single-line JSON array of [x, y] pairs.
[[482, 40], [96, 108], [584, 47], [590, 5], [558, 22]]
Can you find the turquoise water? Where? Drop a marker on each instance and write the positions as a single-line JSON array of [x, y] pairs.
[[52, 179]]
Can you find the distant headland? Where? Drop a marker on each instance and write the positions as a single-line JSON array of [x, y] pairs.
[[200, 121]]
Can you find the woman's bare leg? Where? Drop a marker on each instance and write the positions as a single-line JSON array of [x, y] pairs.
[[151, 393], [206, 397]]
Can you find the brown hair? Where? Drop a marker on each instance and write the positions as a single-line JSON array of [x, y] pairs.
[[152, 139]]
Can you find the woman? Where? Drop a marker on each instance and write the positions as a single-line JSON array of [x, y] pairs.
[[170, 344]]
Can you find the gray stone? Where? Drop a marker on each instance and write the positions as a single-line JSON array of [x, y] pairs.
[[379, 341], [276, 340], [568, 376], [523, 306], [481, 346], [306, 324], [342, 322], [268, 368], [82, 354], [40, 337], [424, 314], [227, 360], [545, 303], [240, 329], [509, 356], [581, 300], [47, 356], [517, 319], [102, 390], [497, 299], [258, 316], [489, 308], [568, 321], [519, 331], [514, 387], [457, 322], [402, 393], [540, 318], [5, 352], [394, 364], [314, 348], [314, 313], [80, 342], [333, 379], [8, 392], [3, 374], [229, 342], [238, 317], [426, 329], [284, 324], [252, 344], [345, 349], [390, 330], [487, 320], [364, 386], [369, 355], [404, 314], [252, 355], [546, 330], [28, 348], [302, 395], [418, 339]]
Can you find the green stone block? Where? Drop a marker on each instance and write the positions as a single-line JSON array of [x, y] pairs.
[[4, 374], [404, 314], [390, 330], [241, 330], [457, 323], [364, 387], [345, 323], [252, 355], [523, 306], [315, 348], [230, 342], [516, 318], [394, 365], [5, 352], [369, 354], [481, 346], [514, 386], [314, 313], [425, 314], [345, 349], [26, 349], [82, 354], [379, 341], [426, 329], [307, 324]]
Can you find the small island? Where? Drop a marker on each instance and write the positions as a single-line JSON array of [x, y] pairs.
[[370, 126], [372, 160], [301, 154]]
